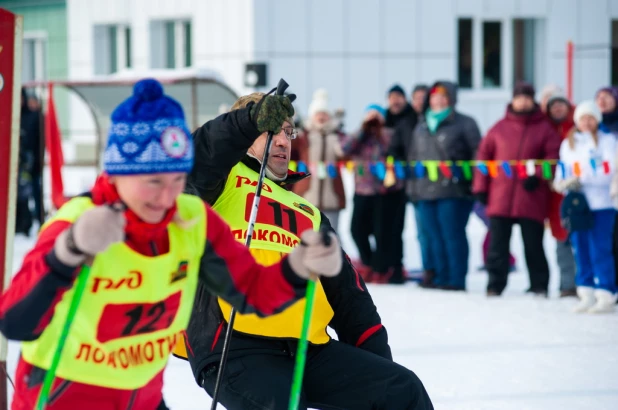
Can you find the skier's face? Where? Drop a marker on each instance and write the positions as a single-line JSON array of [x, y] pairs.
[[280, 150], [150, 196]]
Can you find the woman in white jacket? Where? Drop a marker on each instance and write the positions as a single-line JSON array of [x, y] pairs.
[[589, 148]]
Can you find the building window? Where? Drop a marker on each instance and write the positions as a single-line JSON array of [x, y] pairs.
[[492, 54], [170, 44], [523, 50], [34, 65], [112, 48], [464, 62]]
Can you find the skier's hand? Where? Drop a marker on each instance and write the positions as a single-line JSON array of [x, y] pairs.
[[270, 113], [93, 232], [314, 257]]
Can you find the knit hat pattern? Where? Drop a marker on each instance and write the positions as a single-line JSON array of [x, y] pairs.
[[148, 134]]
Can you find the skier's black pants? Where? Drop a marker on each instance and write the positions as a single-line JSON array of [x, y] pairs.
[[337, 376], [498, 256]]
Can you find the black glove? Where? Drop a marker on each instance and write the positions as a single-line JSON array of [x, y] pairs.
[[531, 183], [482, 197], [270, 113]]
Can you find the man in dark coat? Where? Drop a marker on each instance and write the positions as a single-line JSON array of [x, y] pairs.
[[521, 198]]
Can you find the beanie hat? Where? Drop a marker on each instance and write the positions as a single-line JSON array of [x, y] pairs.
[[587, 108], [376, 107], [523, 88], [397, 89], [439, 89], [557, 96], [551, 90], [613, 91], [148, 134], [319, 102]]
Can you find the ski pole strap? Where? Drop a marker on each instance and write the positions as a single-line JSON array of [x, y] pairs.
[[51, 373]]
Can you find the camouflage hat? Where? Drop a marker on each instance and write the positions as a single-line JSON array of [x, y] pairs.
[[245, 100]]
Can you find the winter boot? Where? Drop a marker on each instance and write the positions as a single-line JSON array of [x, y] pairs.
[[428, 277], [606, 301], [586, 299]]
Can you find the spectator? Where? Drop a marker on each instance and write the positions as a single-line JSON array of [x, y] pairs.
[[398, 149], [546, 93], [560, 113], [607, 101], [321, 142], [28, 144], [480, 211], [398, 107], [367, 146], [419, 95], [444, 134], [524, 133], [593, 247]]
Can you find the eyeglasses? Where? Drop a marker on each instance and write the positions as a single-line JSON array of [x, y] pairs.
[[290, 132]]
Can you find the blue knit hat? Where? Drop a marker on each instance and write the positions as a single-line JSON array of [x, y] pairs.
[[148, 134], [376, 107]]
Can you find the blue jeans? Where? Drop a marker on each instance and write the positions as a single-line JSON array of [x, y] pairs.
[[445, 223], [423, 240], [594, 253]]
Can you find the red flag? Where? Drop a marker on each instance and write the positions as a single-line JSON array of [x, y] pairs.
[[53, 142]]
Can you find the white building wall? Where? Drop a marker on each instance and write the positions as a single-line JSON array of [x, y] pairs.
[[358, 48]]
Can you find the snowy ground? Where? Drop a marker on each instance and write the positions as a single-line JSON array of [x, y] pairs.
[[514, 352]]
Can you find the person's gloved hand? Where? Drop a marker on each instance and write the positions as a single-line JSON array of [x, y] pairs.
[[569, 184], [482, 198], [531, 183], [270, 112], [312, 256], [93, 232]]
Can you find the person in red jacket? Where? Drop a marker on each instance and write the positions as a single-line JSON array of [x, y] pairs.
[[560, 112], [147, 246], [521, 198]]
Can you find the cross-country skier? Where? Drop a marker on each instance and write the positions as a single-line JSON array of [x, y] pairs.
[[355, 372], [145, 265]]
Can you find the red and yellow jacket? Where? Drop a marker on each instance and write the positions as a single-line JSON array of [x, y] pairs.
[[139, 294]]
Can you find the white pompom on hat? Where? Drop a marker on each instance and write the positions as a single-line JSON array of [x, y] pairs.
[[586, 108], [319, 103]]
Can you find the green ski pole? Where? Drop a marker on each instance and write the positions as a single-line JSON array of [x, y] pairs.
[[301, 352], [51, 373]]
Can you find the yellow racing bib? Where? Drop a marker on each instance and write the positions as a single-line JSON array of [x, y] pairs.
[[134, 310]]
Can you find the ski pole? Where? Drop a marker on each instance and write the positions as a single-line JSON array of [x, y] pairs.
[[281, 87], [51, 373], [301, 352]]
